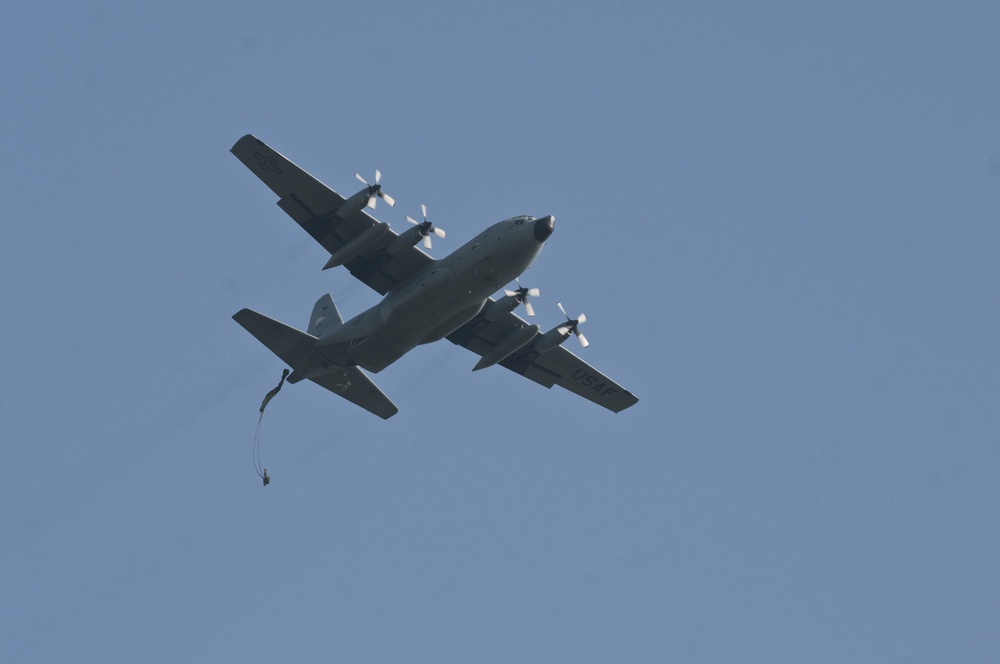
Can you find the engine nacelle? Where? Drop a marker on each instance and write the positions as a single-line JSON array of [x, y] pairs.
[[358, 245], [504, 305], [407, 239], [354, 204], [552, 338], [507, 346]]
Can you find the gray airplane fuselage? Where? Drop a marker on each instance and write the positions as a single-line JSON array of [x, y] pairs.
[[439, 299]]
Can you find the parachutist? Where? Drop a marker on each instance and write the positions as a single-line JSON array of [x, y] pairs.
[[261, 471]]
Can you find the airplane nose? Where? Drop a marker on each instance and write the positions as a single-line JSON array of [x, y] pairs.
[[542, 228]]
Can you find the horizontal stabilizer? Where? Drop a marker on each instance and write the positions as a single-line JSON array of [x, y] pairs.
[[294, 347], [352, 384]]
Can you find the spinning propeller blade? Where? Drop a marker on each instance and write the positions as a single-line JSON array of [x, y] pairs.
[[375, 190], [572, 325], [426, 228], [522, 294]]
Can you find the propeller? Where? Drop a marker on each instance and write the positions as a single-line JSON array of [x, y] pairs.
[[426, 228], [375, 190], [572, 325], [522, 294]]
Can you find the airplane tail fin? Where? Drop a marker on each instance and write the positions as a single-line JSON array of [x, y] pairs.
[[325, 317]]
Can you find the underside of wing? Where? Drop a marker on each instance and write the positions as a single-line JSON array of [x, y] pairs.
[[557, 366], [314, 206], [561, 367]]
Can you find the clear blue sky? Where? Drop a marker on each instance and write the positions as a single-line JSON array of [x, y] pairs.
[[780, 219]]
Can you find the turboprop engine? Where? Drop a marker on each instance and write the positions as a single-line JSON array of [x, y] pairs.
[[367, 196], [508, 303], [560, 333], [420, 231]]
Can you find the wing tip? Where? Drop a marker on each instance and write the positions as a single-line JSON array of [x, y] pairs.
[[632, 400], [242, 315], [248, 138]]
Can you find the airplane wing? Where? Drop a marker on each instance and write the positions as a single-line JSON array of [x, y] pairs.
[[314, 205], [556, 367]]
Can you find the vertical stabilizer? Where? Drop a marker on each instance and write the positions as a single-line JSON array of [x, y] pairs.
[[325, 317]]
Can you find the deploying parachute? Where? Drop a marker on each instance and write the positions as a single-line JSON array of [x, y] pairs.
[[261, 471]]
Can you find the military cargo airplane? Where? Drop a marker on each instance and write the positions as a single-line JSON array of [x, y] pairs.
[[424, 299]]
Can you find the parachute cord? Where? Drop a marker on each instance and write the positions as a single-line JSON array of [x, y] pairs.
[[257, 465], [256, 449]]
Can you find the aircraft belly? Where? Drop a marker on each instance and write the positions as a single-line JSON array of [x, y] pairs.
[[453, 323], [377, 352], [400, 333], [434, 305], [431, 321]]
